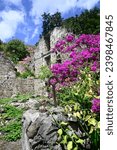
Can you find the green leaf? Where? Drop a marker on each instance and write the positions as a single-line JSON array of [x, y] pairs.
[[64, 141], [91, 130], [76, 107], [87, 117], [80, 141], [69, 145], [75, 148], [77, 114], [98, 125], [75, 136], [63, 123], [60, 132], [92, 121], [76, 94]]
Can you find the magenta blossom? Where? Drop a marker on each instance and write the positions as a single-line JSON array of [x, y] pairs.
[[69, 38], [95, 105]]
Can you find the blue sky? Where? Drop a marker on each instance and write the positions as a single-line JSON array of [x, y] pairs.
[[22, 18]]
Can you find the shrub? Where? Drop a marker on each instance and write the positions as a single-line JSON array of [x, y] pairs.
[[16, 50], [27, 73], [44, 72], [78, 59], [78, 76]]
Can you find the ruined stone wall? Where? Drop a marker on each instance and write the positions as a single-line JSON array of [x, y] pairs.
[[6, 68], [10, 85], [38, 59], [42, 49], [13, 86]]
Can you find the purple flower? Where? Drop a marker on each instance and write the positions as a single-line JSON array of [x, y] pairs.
[[94, 66], [95, 105], [69, 38], [86, 54]]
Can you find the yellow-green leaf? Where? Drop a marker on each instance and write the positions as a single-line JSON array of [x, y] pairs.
[[87, 117], [74, 136], [77, 114], [91, 130], [64, 123], [75, 148], [75, 107], [92, 121], [69, 145], [65, 139], [60, 132], [80, 141], [98, 125]]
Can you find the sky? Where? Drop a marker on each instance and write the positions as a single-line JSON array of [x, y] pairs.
[[22, 18]]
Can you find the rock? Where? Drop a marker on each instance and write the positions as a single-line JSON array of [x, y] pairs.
[[32, 130], [14, 95], [40, 130], [30, 104], [1, 109], [4, 145]]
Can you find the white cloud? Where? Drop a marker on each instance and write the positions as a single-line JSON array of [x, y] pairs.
[[39, 7], [9, 22], [35, 32]]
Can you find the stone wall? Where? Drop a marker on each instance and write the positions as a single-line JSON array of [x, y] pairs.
[[38, 59], [7, 68], [42, 55], [13, 86], [6, 87], [39, 87], [23, 86], [10, 85]]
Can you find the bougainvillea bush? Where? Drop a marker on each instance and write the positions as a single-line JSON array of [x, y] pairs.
[[79, 77]]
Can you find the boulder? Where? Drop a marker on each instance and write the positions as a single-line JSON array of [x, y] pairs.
[[40, 129]]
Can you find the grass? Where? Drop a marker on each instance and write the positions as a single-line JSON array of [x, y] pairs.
[[11, 123], [17, 98], [10, 118], [5, 101]]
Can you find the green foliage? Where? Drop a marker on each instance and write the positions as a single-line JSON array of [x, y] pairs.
[[2, 46], [22, 97], [5, 101], [10, 119], [83, 91], [77, 101], [12, 129], [49, 23], [11, 112], [87, 23], [17, 98], [26, 74], [44, 72], [87, 123], [16, 50]]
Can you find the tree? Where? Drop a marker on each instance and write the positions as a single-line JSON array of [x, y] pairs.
[[2, 46], [88, 22], [16, 50], [49, 23]]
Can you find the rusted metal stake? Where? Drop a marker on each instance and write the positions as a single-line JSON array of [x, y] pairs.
[[53, 88], [54, 95]]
